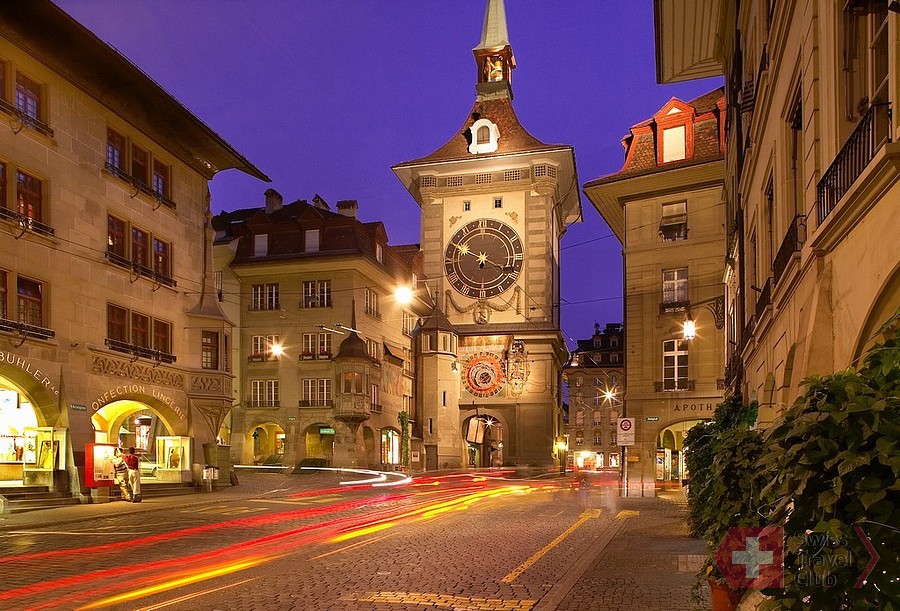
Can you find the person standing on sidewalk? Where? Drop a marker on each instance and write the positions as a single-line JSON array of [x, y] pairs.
[[134, 474], [121, 475]]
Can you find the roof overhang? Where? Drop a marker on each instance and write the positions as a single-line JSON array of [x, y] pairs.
[[75, 53], [610, 195], [563, 157], [688, 39]]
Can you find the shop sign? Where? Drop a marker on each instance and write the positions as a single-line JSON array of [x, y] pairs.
[[135, 389], [695, 407], [291, 418], [324, 430], [652, 418], [33, 371], [78, 407]]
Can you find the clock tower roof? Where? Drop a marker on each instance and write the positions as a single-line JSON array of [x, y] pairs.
[[437, 321]]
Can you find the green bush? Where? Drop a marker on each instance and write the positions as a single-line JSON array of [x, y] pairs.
[[836, 453]]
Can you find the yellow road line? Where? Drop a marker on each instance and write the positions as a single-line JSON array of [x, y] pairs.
[[442, 600], [587, 515], [181, 599]]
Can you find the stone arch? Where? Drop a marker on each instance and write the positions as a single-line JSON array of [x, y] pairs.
[[43, 397], [106, 416], [885, 305], [489, 452], [315, 445]]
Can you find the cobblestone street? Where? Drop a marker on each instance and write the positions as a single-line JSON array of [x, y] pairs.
[[457, 543]]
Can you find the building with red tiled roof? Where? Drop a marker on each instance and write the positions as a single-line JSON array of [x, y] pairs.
[[323, 359], [666, 206]]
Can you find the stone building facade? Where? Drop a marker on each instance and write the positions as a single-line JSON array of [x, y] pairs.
[[495, 202], [323, 357], [811, 178], [105, 270], [666, 206], [595, 378]]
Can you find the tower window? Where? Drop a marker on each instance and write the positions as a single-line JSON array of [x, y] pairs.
[[673, 144], [498, 202], [467, 206]]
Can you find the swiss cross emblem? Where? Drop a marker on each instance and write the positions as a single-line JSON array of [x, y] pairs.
[[752, 557]]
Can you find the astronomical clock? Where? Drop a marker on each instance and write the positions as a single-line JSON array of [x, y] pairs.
[[484, 375]]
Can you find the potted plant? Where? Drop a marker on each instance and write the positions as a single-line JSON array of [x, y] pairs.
[[306, 355]]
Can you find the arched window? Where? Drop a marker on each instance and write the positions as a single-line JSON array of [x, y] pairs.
[[484, 134]]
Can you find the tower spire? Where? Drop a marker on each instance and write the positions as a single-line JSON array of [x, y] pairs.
[[493, 55]]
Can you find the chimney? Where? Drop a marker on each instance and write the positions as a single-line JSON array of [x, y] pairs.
[[348, 207], [274, 201], [320, 203]]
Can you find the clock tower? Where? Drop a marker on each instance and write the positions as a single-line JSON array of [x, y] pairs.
[[495, 203]]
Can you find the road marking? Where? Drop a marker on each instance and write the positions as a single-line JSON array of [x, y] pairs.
[[105, 533], [577, 566], [194, 595], [584, 517], [442, 600]]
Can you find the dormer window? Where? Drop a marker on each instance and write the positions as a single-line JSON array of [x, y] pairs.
[[261, 245], [379, 253], [673, 144], [312, 240], [483, 137]]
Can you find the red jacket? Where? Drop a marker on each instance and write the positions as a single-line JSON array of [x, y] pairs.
[[131, 461]]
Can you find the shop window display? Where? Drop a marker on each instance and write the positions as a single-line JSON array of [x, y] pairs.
[[16, 414]]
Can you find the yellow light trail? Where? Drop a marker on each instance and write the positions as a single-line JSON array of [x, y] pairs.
[[225, 569]]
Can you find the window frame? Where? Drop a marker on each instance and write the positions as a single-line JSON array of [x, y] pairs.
[[158, 343], [675, 286], [137, 249], [677, 351], [209, 350]]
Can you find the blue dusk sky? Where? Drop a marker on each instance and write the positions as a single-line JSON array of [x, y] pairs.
[[324, 96]]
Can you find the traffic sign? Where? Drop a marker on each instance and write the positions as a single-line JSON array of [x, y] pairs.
[[625, 431]]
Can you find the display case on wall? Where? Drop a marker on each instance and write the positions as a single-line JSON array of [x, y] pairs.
[[173, 454], [45, 449], [99, 471]]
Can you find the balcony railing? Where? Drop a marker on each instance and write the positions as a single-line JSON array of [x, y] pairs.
[[140, 351], [260, 306], [674, 385], [139, 185], [14, 326], [748, 331], [140, 270], [263, 403], [668, 308], [26, 222], [315, 403], [261, 358], [25, 119], [873, 132], [733, 368], [793, 240], [765, 297]]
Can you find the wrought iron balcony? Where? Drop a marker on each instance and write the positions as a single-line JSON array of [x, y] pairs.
[[315, 403], [137, 351], [674, 385], [765, 297], [26, 222], [873, 132], [14, 326], [733, 368], [793, 240], [139, 185], [668, 308], [263, 404], [748, 331], [26, 119], [140, 269]]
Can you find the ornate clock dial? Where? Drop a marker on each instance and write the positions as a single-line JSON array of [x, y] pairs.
[[483, 258], [483, 375]]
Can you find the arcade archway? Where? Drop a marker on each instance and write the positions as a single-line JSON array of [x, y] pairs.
[[483, 435], [318, 442], [264, 444], [670, 451]]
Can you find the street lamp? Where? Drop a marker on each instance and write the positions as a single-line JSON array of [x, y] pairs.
[[562, 445], [403, 294]]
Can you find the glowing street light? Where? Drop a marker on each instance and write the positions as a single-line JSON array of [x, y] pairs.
[[277, 350], [403, 294]]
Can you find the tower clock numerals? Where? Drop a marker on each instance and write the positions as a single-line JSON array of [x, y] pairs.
[[483, 258]]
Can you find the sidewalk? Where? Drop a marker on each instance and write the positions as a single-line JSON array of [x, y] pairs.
[[650, 563]]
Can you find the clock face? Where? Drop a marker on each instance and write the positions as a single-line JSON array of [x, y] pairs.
[[483, 375], [483, 258]]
